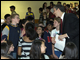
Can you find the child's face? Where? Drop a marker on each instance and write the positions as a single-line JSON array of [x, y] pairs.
[[16, 19], [43, 47], [39, 30], [49, 27], [56, 24], [11, 48], [8, 20]]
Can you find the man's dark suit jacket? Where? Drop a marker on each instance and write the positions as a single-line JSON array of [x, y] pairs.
[[71, 27]]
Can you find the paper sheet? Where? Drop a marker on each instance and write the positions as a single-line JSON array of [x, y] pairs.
[[60, 44]]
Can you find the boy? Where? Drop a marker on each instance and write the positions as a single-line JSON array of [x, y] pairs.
[[47, 38], [7, 21], [29, 13], [12, 9], [12, 32]]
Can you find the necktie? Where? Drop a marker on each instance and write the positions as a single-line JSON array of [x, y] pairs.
[[61, 27]]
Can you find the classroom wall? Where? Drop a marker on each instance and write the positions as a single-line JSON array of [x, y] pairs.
[[21, 7]]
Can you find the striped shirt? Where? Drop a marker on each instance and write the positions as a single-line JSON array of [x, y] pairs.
[[26, 46]]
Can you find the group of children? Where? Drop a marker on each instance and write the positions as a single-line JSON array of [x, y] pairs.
[[28, 42], [20, 39]]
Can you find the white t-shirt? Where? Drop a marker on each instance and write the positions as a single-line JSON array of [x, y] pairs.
[[53, 34]]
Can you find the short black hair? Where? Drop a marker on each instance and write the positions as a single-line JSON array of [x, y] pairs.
[[59, 2], [61, 7], [30, 32], [12, 7], [49, 22], [29, 8], [29, 18], [48, 8], [41, 9], [7, 15], [68, 5]]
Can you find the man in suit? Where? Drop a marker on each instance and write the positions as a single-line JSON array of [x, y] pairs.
[[70, 25]]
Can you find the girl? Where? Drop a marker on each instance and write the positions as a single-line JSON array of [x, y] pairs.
[[70, 51], [40, 32], [37, 50], [24, 44], [56, 53]]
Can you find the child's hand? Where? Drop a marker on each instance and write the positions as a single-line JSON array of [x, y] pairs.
[[3, 40], [22, 33]]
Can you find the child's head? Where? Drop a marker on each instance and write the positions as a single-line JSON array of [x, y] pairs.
[[30, 32], [30, 19], [15, 18], [56, 22], [49, 25], [29, 9], [4, 48], [7, 18], [70, 51], [10, 44], [40, 10], [44, 14], [48, 9], [38, 47], [12, 8], [40, 30]]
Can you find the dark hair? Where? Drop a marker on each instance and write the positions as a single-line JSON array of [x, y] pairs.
[[4, 50], [60, 7], [12, 7], [29, 8], [51, 3], [29, 18], [9, 43], [7, 15], [41, 9], [42, 30], [35, 52], [49, 22], [59, 2], [48, 8], [30, 32], [23, 21], [68, 5], [70, 51], [44, 4]]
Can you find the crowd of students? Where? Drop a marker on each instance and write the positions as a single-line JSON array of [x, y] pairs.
[[20, 39]]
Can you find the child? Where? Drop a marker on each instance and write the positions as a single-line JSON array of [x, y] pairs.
[[70, 51], [12, 32], [11, 47], [37, 50], [55, 31], [22, 24], [47, 38], [4, 51], [24, 44], [49, 13], [29, 13], [7, 21], [41, 14], [50, 26], [12, 9], [40, 32]]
